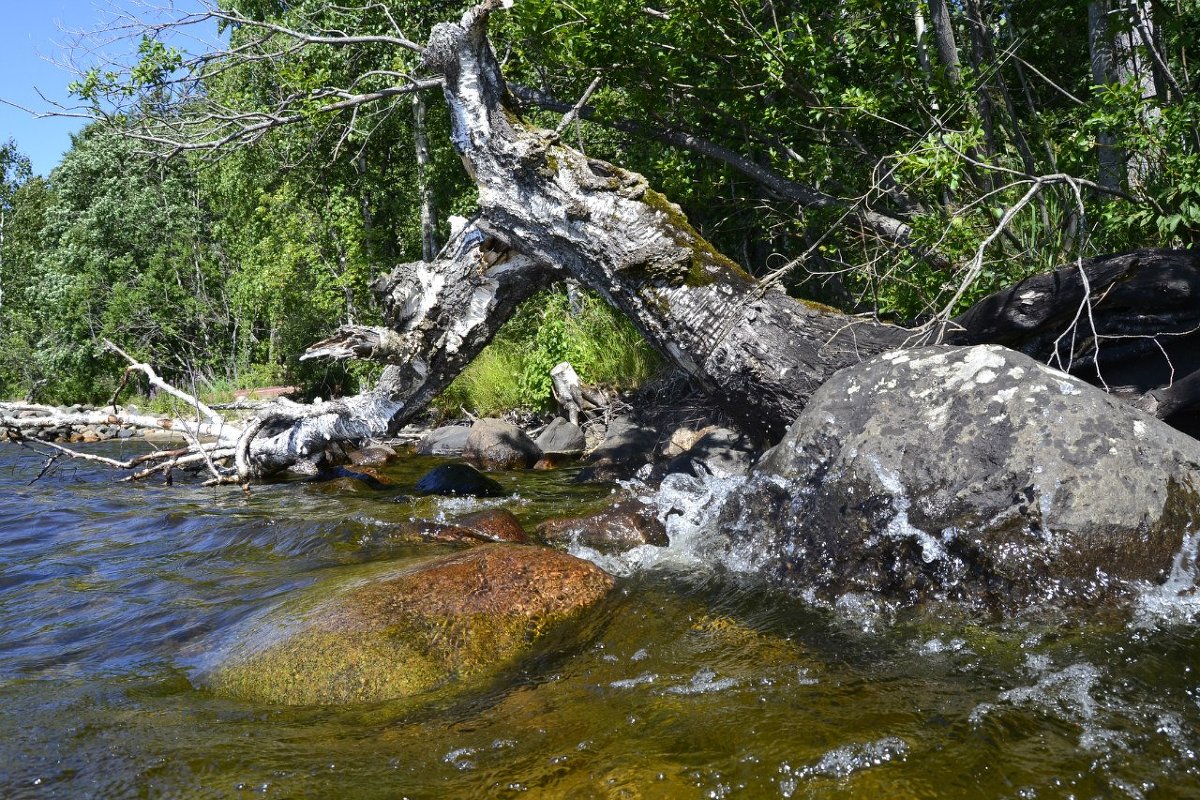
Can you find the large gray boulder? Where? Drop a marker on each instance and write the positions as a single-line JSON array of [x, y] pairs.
[[561, 437], [971, 474], [496, 444]]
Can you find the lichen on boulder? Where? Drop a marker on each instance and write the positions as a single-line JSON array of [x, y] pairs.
[[459, 619], [967, 474]]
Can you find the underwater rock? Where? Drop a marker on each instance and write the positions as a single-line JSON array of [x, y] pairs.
[[375, 455], [496, 444], [972, 474], [458, 479], [624, 525], [449, 440], [493, 525], [462, 618], [488, 525], [343, 479]]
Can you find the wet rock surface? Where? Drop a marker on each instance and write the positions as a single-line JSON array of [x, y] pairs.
[[970, 474], [496, 444], [625, 524], [489, 525], [375, 455], [456, 619], [458, 479], [347, 479], [626, 448], [494, 524], [717, 451]]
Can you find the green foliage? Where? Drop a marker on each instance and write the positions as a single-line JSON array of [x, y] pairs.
[[229, 270], [514, 370]]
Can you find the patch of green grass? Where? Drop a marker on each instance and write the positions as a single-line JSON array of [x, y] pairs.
[[514, 370]]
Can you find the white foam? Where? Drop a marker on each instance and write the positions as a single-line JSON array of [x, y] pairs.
[[705, 681], [689, 508], [1177, 599]]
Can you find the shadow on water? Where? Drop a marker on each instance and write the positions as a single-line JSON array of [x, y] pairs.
[[687, 685]]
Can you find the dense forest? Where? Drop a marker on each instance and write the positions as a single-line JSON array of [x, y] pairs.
[[887, 158]]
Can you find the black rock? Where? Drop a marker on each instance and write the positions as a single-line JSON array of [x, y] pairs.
[[458, 479]]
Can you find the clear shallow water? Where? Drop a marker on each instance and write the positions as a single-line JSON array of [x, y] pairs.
[[111, 594]]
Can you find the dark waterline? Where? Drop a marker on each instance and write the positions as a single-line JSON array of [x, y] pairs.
[[113, 596]]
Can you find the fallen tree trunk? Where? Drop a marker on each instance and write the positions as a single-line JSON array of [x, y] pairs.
[[548, 212], [1129, 323]]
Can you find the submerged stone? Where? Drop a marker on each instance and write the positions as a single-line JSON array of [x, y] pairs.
[[624, 525], [488, 525], [462, 618], [458, 479], [970, 474]]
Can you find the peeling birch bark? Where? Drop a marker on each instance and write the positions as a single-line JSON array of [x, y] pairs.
[[757, 351], [441, 315]]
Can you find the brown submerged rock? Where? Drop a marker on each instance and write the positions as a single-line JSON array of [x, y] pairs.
[[625, 524], [489, 525], [495, 525], [463, 618], [376, 455]]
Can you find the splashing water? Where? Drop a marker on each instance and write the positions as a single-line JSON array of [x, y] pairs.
[[689, 507], [1176, 600]]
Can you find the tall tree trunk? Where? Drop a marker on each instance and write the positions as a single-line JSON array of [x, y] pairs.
[[1120, 55], [429, 222], [944, 42]]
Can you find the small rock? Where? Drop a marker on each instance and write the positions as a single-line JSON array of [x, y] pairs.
[[719, 451], [494, 525], [626, 524], [627, 446], [489, 525], [449, 440], [496, 444], [682, 440], [458, 479], [337, 479], [375, 455], [561, 438]]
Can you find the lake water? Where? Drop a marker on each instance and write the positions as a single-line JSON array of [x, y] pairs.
[[112, 597]]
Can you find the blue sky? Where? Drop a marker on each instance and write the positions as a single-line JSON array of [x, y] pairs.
[[31, 33]]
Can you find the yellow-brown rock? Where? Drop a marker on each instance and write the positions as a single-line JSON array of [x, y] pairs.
[[460, 618]]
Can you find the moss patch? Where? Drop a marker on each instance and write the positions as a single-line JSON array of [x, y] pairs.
[[705, 257]]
